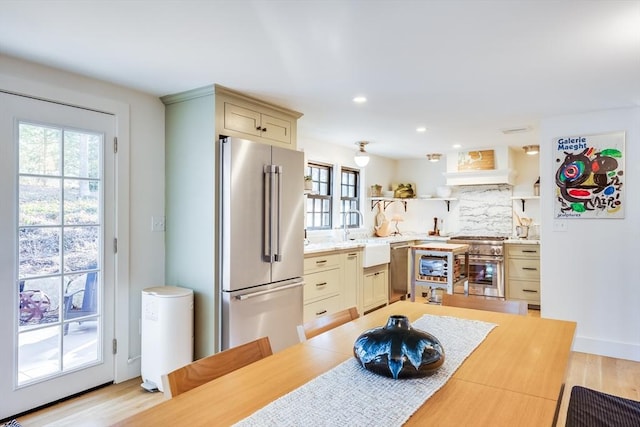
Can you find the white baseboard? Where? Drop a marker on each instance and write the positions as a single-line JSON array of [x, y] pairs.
[[619, 350]]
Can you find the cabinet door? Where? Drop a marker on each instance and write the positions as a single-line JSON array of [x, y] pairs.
[[368, 299], [381, 287], [242, 119], [352, 273], [375, 289], [276, 129]]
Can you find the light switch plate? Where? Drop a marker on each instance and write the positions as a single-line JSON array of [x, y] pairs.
[[560, 225], [157, 223]]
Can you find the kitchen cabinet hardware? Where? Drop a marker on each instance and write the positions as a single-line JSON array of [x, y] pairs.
[[530, 290], [320, 313], [321, 284], [529, 251], [322, 261], [530, 268]]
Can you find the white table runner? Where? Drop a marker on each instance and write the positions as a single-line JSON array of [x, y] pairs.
[[350, 395]]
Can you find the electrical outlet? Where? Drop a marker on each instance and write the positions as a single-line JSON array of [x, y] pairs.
[[157, 223], [560, 225]]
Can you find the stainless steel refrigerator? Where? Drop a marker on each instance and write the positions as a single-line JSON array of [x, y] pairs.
[[261, 243]]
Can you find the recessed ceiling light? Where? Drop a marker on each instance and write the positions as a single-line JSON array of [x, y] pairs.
[[360, 99], [457, 145], [421, 129]]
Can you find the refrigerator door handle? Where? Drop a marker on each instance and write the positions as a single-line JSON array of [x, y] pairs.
[[269, 179], [281, 288], [278, 206]]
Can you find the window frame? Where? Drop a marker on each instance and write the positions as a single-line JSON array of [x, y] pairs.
[[319, 199], [353, 218]]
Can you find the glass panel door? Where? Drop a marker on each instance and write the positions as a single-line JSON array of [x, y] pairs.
[[59, 236], [57, 260]]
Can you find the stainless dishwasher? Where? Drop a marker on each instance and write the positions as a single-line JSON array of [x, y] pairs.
[[399, 271]]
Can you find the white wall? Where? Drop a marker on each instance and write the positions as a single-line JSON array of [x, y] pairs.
[[589, 273], [140, 120]]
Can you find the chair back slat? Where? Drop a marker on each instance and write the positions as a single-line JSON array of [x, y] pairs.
[[324, 323], [482, 303], [211, 367]]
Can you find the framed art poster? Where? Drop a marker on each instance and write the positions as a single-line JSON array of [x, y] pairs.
[[589, 176]]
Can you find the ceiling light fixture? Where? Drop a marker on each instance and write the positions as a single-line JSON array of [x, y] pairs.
[[531, 149], [421, 129], [434, 157], [359, 99], [362, 157]]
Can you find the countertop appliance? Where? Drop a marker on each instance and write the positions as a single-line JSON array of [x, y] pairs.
[[261, 243], [486, 265]]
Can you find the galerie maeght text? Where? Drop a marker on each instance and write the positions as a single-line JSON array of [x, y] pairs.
[[589, 179]]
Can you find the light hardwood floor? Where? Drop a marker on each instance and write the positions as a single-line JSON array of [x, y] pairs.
[[108, 405]]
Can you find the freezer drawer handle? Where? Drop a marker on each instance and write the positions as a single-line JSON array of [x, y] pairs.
[[257, 294]]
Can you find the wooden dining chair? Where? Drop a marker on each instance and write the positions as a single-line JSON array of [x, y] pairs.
[[214, 366], [482, 303], [324, 323]]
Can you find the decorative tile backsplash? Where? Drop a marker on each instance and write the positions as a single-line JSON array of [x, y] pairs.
[[485, 210]]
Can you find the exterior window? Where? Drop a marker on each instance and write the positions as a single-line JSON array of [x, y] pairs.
[[320, 200], [350, 197]]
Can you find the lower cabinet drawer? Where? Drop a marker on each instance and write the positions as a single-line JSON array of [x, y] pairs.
[[321, 285], [526, 290], [320, 308], [524, 269], [322, 262]]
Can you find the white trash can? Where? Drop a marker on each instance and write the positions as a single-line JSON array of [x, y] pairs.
[[167, 333]]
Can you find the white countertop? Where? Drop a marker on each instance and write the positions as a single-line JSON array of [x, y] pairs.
[[312, 248], [523, 241], [332, 245]]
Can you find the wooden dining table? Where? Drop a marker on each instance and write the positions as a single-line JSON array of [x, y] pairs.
[[514, 377]]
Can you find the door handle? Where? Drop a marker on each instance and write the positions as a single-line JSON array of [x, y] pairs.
[[278, 207], [269, 291]]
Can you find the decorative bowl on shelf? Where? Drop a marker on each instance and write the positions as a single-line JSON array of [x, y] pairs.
[[443, 191], [398, 350]]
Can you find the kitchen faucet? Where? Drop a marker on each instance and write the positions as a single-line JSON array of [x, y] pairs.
[[345, 232]]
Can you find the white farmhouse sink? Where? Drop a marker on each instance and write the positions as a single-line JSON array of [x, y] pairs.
[[376, 253]]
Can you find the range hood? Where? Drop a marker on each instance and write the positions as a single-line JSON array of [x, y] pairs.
[[502, 174]]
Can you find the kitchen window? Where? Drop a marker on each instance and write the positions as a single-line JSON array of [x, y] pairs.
[[350, 197], [319, 201]]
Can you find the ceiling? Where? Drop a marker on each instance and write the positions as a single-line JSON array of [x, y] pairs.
[[466, 70]]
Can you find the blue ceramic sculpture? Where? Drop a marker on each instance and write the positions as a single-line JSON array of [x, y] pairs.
[[399, 351]]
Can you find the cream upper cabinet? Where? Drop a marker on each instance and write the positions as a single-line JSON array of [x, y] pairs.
[[523, 272], [245, 117]]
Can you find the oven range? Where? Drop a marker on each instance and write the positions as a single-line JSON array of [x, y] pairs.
[[486, 265]]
